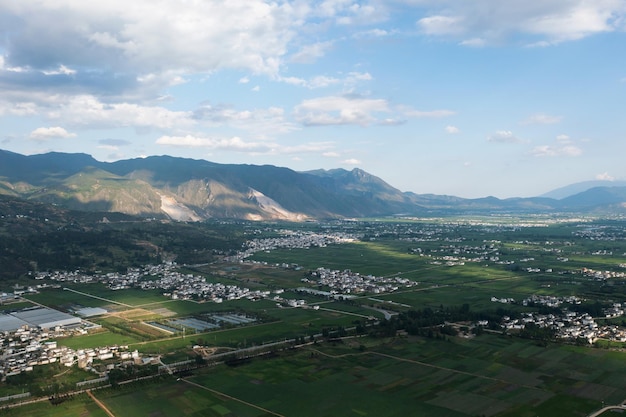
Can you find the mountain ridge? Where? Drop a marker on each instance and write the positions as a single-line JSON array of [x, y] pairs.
[[194, 189]]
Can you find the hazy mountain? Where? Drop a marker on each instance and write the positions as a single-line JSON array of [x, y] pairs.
[[579, 187], [189, 189]]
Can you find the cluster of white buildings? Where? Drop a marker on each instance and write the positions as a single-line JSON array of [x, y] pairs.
[[294, 240], [114, 280], [23, 349], [616, 310], [602, 275], [459, 254], [550, 300], [348, 282], [569, 325], [173, 283], [194, 287]]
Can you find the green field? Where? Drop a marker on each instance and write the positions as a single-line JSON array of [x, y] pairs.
[[79, 406], [485, 376], [489, 375]]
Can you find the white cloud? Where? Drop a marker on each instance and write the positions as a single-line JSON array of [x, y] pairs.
[[62, 70], [452, 130], [261, 122], [244, 80], [544, 22], [337, 110], [331, 154], [351, 161], [428, 114], [231, 144], [349, 12], [474, 42], [310, 53], [542, 119], [441, 25], [322, 81], [564, 146], [504, 136], [140, 37], [46, 133], [344, 110], [552, 151], [373, 33], [236, 144], [605, 177], [86, 110], [391, 122]]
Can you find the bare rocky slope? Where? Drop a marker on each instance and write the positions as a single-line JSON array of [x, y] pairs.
[[193, 190]]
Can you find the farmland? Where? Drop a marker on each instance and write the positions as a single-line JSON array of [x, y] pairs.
[[454, 266]]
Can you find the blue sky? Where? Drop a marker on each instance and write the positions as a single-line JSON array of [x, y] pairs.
[[466, 98]]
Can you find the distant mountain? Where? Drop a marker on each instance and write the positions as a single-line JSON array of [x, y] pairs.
[[579, 187], [191, 190], [597, 198]]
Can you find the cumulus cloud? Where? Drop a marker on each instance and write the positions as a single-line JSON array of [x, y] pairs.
[[46, 133], [322, 81], [236, 144], [339, 110], [563, 146], [552, 150], [504, 136], [474, 42], [351, 161], [452, 130], [544, 23], [249, 34], [358, 110], [232, 144], [86, 110], [605, 177], [349, 12], [372, 33], [542, 119], [429, 113], [261, 122], [61, 70], [310, 53]]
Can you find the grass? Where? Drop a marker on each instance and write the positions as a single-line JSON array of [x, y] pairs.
[[172, 398], [489, 375], [100, 339], [79, 406]]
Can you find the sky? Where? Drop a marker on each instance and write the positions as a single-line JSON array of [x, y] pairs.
[[504, 98]]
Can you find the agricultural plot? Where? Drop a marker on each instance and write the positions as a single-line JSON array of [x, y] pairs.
[[484, 376], [173, 398], [79, 406], [495, 376]]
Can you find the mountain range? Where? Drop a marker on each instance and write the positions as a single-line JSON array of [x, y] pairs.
[[192, 190]]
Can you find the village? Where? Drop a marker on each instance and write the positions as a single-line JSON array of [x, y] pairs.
[[27, 346], [31, 345], [569, 325]]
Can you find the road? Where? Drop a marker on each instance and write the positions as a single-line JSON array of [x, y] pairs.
[[100, 404], [603, 410]]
